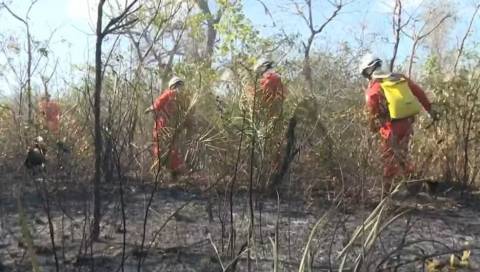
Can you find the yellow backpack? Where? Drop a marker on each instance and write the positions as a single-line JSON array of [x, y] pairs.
[[402, 103]]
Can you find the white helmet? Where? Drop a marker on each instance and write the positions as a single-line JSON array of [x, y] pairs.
[[369, 61], [262, 65], [38, 140], [174, 81]]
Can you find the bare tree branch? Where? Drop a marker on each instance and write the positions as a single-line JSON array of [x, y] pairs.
[[397, 26], [212, 21], [29, 58], [152, 39], [418, 37], [14, 14], [46, 79], [110, 27], [47, 45], [267, 11], [440, 22], [122, 26], [113, 25], [467, 33], [310, 17], [301, 13], [338, 5]]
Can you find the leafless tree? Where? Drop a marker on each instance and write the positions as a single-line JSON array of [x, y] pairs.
[[398, 27], [25, 22], [467, 33], [158, 38], [426, 29], [118, 23], [307, 16]]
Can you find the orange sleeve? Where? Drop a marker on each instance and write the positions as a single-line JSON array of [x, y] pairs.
[[271, 81], [420, 94], [373, 98], [162, 100]]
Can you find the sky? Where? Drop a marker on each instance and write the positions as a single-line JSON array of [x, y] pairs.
[[73, 20]]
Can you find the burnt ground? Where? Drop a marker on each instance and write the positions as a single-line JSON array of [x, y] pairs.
[[187, 239]]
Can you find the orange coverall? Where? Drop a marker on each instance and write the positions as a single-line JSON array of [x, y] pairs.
[[272, 87], [271, 90], [164, 108], [270, 95], [51, 114], [395, 133]]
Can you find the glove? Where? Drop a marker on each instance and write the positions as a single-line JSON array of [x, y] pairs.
[[374, 124], [149, 109]]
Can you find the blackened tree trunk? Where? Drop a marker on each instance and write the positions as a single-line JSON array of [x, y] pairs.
[[115, 24], [98, 126]]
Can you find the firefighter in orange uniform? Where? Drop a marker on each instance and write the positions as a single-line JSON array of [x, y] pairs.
[[392, 119], [50, 111], [166, 111], [269, 94]]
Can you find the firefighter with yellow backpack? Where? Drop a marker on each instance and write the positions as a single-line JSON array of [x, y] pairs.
[[392, 101]]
